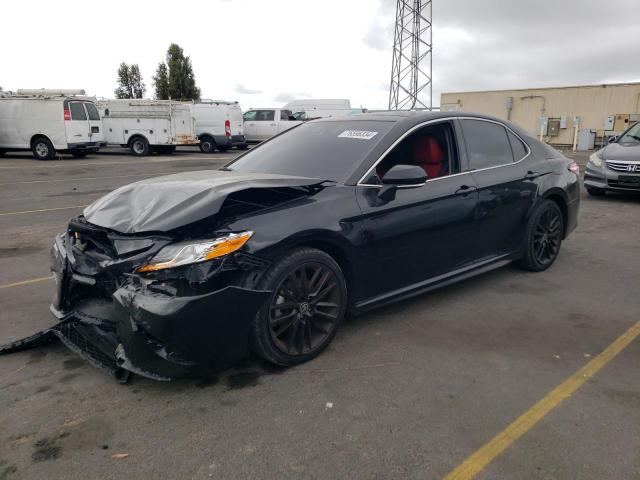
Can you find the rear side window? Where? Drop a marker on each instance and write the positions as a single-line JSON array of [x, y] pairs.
[[518, 148], [92, 111], [487, 144], [77, 111], [265, 115]]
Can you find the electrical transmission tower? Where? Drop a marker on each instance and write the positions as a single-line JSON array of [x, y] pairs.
[[411, 79]]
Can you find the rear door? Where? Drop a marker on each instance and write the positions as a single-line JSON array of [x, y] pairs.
[[77, 126], [95, 123], [235, 118], [497, 158]]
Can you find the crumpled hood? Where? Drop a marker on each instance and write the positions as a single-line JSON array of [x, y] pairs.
[[165, 203], [616, 151]]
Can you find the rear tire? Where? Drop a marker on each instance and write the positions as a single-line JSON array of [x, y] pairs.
[[543, 238], [139, 146], [42, 149], [207, 144], [596, 192], [304, 312]]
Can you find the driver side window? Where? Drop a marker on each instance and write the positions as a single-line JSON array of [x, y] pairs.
[[432, 148]]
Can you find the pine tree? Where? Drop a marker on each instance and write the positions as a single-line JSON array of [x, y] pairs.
[[175, 78], [137, 85]]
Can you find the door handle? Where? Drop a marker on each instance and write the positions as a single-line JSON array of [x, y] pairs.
[[465, 190]]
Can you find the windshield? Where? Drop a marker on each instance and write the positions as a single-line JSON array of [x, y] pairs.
[[324, 150], [632, 135]]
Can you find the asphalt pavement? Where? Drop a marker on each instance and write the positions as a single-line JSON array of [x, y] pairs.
[[409, 391]]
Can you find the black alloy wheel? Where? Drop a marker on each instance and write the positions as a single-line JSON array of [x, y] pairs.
[[305, 309], [544, 237]]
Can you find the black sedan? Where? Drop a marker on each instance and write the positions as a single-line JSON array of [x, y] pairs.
[[188, 273]]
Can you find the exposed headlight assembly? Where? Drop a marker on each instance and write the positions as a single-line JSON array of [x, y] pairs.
[[595, 159], [185, 253]]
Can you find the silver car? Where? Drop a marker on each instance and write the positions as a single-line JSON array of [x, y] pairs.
[[616, 167]]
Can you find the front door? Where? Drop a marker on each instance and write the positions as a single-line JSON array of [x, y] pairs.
[[266, 124], [424, 231]]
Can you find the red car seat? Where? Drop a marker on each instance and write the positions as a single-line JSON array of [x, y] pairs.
[[428, 154]]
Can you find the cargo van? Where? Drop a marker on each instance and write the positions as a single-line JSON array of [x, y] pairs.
[[147, 126], [219, 125], [49, 122], [309, 108]]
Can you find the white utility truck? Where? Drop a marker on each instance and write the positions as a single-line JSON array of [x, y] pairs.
[[49, 122], [146, 126], [310, 108], [218, 125], [263, 123]]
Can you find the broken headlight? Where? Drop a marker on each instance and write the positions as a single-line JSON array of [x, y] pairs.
[[185, 253]]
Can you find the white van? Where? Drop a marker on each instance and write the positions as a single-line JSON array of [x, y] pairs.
[[263, 123], [309, 108], [218, 125], [146, 126], [49, 122]]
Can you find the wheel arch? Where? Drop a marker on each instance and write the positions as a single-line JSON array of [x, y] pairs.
[[137, 135], [35, 136], [559, 197]]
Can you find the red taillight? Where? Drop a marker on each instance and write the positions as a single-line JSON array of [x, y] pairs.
[[227, 128], [573, 167], [67, 114]]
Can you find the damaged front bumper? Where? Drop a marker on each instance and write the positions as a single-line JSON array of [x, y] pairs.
[[149, 333]]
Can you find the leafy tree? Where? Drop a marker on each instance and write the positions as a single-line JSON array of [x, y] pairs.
[[175, 78], [161, 82], [130, 84]]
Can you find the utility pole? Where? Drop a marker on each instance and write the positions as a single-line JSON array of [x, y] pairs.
[[412, 64]]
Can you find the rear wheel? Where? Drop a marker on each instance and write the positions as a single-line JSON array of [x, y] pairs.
[[596, 192], [43, 149], [304, 311], [139, 146], [543, 238], [207, 144]]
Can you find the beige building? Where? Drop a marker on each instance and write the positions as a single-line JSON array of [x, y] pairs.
[[604, 109]]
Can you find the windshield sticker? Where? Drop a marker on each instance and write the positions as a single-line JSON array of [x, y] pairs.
[[359, 134]]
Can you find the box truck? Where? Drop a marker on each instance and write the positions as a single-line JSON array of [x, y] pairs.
[[218, 125], [49, 122], [146, 126]]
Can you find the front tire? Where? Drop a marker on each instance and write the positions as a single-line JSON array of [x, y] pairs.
[[544, 233], [304, 312], [596, 192], [139, 147], [42, 149]]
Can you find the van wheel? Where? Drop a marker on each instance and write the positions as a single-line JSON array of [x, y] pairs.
[[139, 147], [79, 154], [43, 149], [207, 144]]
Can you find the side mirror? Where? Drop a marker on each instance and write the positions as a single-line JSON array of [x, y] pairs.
[[401, 176], [613, 139], [405, 176]]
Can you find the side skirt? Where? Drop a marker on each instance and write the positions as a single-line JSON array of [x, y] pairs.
[[435, 282]]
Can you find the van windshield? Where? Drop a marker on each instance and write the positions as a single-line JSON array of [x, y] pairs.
[[324, 150]]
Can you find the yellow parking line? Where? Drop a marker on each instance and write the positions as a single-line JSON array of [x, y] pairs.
[[75, 179], [474, 464], [4, 214], [26, 282]]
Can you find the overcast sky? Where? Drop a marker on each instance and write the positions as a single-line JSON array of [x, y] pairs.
[[264, 53]]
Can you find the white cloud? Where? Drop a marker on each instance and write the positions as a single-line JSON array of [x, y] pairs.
[[240, 88]]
